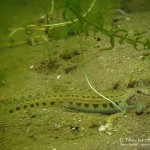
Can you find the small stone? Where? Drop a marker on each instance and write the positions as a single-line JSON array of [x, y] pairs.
[[58, 77], [127, 18], [102, 128], [31, 67]]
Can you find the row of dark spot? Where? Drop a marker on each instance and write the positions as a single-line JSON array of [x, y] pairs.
[[78, 104], [32, 106], [72, 95], [104, 105]]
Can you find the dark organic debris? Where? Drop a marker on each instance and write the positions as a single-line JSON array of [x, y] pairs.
[[46, 67], [70, 69]]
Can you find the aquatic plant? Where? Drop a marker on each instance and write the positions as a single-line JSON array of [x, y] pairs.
[[138, 39], [130, 82], [78, 22], [113, 32]]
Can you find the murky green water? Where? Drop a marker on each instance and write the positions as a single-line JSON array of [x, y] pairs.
[[25, 70]]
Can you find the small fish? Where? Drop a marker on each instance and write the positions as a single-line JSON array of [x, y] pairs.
[[126, 100]]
